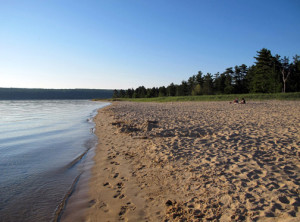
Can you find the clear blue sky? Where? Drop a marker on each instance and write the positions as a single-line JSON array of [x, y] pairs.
[[127, 43]]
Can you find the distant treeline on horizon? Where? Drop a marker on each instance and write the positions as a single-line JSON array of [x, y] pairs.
[[44, 94], [269, 74]]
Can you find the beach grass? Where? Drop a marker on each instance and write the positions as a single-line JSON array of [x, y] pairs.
[[224, 97]]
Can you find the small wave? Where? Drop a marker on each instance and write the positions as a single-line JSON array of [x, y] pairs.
[[61, 207], [92, 130], [77, 159], [90, 120]]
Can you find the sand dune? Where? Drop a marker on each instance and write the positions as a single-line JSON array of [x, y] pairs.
[[197, 161]]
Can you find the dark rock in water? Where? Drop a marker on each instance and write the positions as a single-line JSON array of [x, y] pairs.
[[169, 203]]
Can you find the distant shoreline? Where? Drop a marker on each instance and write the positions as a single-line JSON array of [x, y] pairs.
[[53, 94]]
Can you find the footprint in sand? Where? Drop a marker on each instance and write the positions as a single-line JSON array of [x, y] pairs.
[[119, 190], [106, 184], [284, 200], [114, 162], [120, 185], [271, 186], [123, 211], [103, 206], [116, 175], [117, 194], [92, 202], [111, 157]]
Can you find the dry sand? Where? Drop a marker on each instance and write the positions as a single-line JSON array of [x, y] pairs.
[[197, 161]]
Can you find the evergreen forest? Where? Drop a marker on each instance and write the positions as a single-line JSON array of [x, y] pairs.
[[269, 74]]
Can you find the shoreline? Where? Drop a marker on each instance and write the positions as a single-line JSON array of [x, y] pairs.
[[110, 174], [76, 201], [196, 161]]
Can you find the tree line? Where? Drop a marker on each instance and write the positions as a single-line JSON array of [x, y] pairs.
[[269, 74]]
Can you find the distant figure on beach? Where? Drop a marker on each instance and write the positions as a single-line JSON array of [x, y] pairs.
[[236, 101], [243, 101]]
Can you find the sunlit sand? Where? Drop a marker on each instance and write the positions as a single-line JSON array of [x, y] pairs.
[[197, 161]]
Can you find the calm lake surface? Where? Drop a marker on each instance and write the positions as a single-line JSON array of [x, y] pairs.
[[41, 145]]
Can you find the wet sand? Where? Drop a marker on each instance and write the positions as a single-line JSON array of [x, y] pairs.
[[197, 161]]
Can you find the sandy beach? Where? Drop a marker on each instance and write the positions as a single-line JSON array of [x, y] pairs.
[[197, 161]]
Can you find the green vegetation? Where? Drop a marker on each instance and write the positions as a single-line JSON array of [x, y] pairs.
[[39, 94], [230, 97], [269, 74]]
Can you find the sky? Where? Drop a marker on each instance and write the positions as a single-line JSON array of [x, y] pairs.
[[120, 44]]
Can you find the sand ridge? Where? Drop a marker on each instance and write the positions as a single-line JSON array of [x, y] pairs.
[[197, 161]]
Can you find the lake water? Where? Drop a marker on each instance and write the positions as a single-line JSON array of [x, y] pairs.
[[43, 145]]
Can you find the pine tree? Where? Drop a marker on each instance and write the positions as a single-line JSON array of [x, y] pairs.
[[162, 91], [228, 89], [140, 92], [183, 89], [265, 77], [199, 78], [238, 79], [116, 94], [219, 83], [285, 71], [191, 84], [197, 90], [171, 90], [293, 82], [208, 84]]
